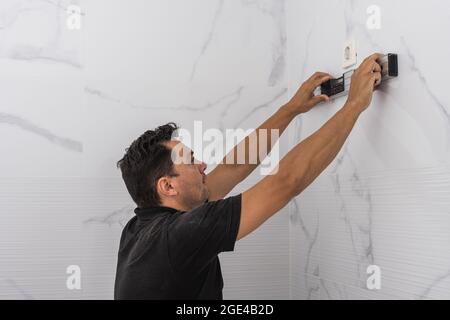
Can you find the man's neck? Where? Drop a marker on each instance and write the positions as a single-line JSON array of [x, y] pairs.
[[175, 205]]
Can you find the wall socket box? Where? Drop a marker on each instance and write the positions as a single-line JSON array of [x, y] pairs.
[[349, 54]]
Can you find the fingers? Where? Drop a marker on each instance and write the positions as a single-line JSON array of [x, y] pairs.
[[373, 57], [376, 67], [320, 98], [376, 77], [318, 78], [318, 74], [317, 82], [315, 100], [369, 64]]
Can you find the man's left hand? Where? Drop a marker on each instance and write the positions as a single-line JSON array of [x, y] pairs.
[[304, 100]]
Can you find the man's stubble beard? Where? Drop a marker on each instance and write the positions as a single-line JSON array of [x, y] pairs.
[[196, 201]]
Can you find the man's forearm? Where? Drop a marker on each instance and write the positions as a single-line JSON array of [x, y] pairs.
[[310, 157], [228, 174], [252, 144]]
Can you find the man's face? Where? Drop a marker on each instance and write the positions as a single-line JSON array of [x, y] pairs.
[[191, 180]]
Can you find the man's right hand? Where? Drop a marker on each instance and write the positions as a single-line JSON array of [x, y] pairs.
[[363, 82]]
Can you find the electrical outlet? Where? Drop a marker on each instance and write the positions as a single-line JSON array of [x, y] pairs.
[[349, 54]]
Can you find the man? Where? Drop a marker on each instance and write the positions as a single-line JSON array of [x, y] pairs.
[[169, 250]]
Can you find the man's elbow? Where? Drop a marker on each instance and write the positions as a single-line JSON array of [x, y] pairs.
[[298, 180]]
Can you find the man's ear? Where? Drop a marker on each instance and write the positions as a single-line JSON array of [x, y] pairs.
[[165, 187]]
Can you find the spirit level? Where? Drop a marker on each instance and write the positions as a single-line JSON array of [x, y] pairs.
[[338, 87]]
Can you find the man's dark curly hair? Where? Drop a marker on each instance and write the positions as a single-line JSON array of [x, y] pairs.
[[145, 161]]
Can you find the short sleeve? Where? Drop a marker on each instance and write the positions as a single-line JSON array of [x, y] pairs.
[[196, 237]]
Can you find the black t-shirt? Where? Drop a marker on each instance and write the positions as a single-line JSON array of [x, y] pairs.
[[168, 254]]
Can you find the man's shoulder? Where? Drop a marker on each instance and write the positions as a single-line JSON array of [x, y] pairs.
[[138, 226], [142, 234]]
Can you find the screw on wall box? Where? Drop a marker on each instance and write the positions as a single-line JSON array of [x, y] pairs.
[[338, 87]]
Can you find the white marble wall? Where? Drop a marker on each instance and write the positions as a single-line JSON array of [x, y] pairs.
[[385, 200], [71, 101]]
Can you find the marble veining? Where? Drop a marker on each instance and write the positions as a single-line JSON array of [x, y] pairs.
[[52, 50], [120, 217], [414, 68], [381, 201], [209, 37], [275, 9], [104, 84], [66, 143], [18, 289], [263, 105], [86, 95]]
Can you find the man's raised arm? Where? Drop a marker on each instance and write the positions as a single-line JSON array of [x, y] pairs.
[[228, 174], [310, 157]]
